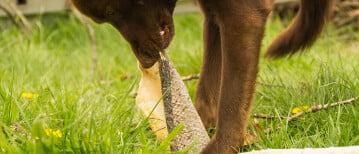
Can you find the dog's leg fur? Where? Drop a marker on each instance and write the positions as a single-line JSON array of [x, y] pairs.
[[241, 26], [209, 84]]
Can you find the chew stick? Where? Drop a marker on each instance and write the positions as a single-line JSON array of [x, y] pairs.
[[174, 109], [179, 109]]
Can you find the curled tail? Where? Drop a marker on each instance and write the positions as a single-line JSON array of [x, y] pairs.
[[305, 29]]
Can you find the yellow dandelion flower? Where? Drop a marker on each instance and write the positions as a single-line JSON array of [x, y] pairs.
[[28, 95], [51, 132], [57, 134], [300, 109], [48, 131]]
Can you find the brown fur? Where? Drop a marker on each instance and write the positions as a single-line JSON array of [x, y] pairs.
[[305, 29], [139, 21], [233, 30]]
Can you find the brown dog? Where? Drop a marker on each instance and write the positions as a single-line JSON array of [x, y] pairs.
[[233, 30]]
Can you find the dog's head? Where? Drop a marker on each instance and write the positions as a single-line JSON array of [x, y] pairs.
[[146, 24]]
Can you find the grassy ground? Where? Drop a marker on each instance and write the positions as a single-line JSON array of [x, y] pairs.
[[49, 102]]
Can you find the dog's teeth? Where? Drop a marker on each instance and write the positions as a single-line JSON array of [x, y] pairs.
[[162, 33]]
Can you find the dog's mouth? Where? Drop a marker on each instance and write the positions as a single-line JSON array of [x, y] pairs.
[[147, 52], [166, 33]]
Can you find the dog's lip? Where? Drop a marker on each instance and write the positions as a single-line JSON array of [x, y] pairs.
[[165, 34]]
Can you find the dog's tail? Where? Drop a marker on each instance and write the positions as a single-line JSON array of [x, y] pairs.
[[305, 29]]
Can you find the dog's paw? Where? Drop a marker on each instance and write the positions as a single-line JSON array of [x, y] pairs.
[[217, 146]]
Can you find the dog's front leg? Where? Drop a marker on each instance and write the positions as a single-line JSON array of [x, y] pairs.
[[241, 24], [209, 84]]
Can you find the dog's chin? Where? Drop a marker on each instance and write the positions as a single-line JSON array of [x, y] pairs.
[[148, 60], [147, 63]]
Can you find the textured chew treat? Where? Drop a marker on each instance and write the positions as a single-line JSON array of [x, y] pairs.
[[174, 109], [179, 109]]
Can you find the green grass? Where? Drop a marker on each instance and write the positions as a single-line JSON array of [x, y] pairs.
[[97, 113]]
